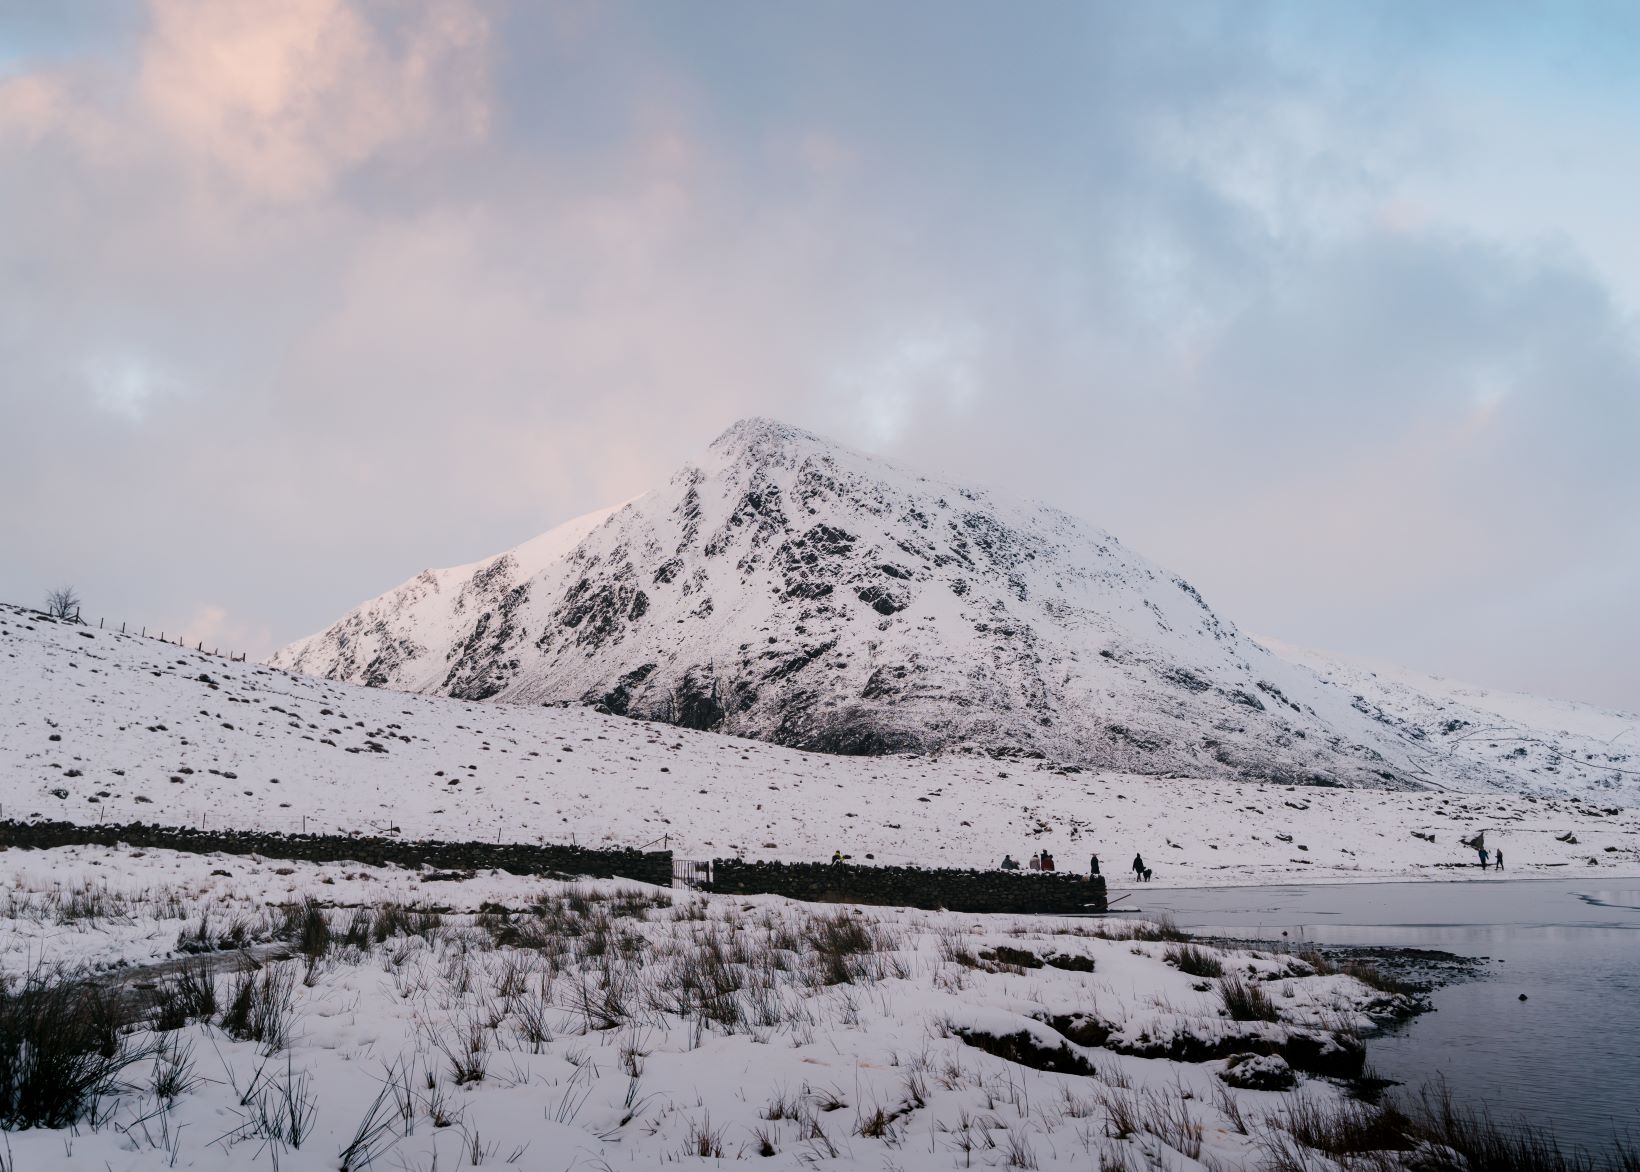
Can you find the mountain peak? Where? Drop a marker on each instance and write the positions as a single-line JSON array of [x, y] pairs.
[[790, 588], [762, 440]]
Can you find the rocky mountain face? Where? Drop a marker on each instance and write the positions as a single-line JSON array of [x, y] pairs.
[[789, 589]]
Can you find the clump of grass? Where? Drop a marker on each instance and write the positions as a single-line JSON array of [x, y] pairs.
[[1352, 1131], [1472, 1133], [1246, 1001], [190, 995], [1373, 977], [397, 919], [840, 944], [468, 1052], [259, 1007], [1343, 1128], [360, 929], [1163, 927], [1193, 961], [60, 1054], [88, 903], [704, 1140], [173, 1073], [305, 926], [1317, 961], [954, 948], [839, 933]]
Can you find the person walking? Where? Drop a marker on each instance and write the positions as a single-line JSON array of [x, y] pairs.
[[1498, 858], [1483, 853], [1138, 866]]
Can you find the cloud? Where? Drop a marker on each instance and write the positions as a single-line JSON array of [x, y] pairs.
[[300, 299], [274, 103]]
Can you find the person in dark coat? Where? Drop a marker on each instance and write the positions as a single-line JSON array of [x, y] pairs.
[[1138, 866], [1093, 866], [1009, 863]]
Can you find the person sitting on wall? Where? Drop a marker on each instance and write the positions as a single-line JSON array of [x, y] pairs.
[[1009, 863], [1036, 862], [837, 858], [1047, 861]]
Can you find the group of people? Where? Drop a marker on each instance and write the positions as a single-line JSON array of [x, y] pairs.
[[1478, 845], [1043, 861]]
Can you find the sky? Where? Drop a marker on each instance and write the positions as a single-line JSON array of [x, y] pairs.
[[1330, 308]]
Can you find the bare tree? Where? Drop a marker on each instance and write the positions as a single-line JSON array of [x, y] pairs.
[[63, 603]]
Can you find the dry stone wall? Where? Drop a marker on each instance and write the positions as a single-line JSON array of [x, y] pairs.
[[954, 890], [518, 858]]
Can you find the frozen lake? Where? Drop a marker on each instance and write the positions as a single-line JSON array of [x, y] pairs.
[[1568, 1056]]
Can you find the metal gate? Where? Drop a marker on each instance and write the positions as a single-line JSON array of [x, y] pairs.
[[692, 872]]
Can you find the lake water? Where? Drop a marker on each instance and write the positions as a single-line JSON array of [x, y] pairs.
[[1568, 1056]]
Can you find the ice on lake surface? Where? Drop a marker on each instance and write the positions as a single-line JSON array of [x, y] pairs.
[[1568, 1055]]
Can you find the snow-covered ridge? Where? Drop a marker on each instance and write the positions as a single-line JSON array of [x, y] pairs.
[[788, 588], [1460, 736], [98, 726]]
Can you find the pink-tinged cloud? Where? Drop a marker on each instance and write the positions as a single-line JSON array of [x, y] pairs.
[[281, 98]]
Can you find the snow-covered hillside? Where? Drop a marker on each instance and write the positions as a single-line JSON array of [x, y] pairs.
[[789, 589], [96, 725], [1463, 737]]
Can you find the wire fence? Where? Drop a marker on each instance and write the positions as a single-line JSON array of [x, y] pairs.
[[103, 624]]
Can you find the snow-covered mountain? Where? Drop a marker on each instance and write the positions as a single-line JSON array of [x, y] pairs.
[[786, 588], [1460, 736]]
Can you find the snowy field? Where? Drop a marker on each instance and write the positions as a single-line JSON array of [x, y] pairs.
[[605, 1025], [99, 726], [413, 1020]]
